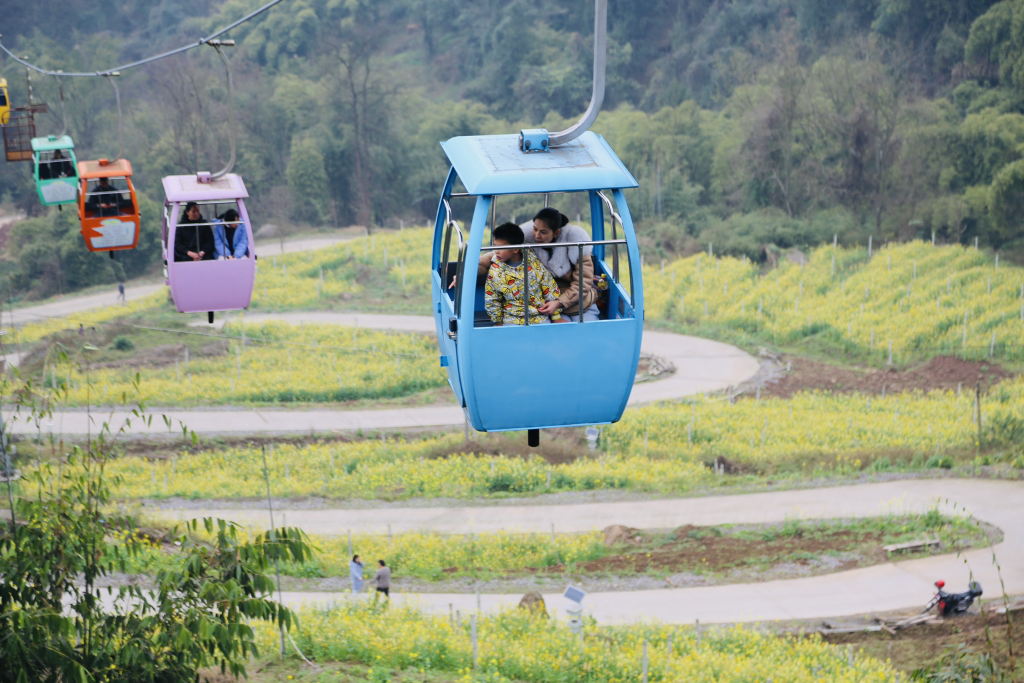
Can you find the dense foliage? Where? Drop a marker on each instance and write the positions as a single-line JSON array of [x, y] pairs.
[[59, 621], [785, 119]]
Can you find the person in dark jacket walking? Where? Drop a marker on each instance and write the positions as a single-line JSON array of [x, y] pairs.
[[383, 579]]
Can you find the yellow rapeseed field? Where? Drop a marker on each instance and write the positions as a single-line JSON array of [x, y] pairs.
[[422, 555], [279, 362], [835, 426], [925, 299], [659, 448], [375, 469], [35, 331], [308, 279], [426, 555], [516, 646]]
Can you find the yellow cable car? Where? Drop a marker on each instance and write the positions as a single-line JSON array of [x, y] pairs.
[[5, 102]]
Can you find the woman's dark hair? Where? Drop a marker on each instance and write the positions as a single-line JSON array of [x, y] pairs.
[[553, 218], [188, 207], [355, 558], [509, 233], [382, 563], [231, 216]]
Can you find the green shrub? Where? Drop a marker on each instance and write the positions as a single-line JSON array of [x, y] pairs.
[[961, 665], [945, 463], [123, 343]]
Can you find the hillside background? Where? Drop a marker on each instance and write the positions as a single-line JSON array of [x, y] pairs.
[[748, 123]]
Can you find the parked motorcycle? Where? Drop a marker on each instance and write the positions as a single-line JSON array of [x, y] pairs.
[[951, 604]]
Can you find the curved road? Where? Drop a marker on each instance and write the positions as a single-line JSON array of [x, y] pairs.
[[702, 366], [881, 588]]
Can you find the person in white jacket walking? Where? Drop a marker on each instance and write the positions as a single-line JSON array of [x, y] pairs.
[[355, 572]]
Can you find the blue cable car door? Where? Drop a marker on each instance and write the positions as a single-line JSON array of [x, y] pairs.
[[449, 247]]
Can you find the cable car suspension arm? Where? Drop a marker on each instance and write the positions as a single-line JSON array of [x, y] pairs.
[[120, 127], [63, 109], [597, 94], [217, 44]]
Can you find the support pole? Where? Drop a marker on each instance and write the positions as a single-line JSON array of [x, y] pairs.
[[273, 538]]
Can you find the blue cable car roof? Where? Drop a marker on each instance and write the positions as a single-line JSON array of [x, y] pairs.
[[52, 143], [494, 164]]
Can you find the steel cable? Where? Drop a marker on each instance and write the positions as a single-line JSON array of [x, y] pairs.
[[147, 60]]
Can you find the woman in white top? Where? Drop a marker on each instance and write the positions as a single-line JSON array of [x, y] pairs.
[[552, 227]]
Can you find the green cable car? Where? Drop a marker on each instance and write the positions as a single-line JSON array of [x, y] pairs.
[[56, 169]]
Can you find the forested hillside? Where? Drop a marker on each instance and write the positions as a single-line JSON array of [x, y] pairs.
[[748, 123]]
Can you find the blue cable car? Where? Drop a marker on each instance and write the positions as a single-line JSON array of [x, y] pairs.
[[538, 376]]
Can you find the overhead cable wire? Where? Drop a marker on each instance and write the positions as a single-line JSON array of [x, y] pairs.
[[114, 71]]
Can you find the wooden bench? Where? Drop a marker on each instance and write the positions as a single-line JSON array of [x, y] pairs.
[[912, 545]]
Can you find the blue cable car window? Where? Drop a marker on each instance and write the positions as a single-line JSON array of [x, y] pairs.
[[453, 254], [609, 254]]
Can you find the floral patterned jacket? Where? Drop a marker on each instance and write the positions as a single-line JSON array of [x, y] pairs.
[[503, 292]]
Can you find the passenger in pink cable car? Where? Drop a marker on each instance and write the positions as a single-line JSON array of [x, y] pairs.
[[229, 237], [193, 240]]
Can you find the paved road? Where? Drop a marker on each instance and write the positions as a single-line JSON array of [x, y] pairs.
[[76, 304], [702, 366], [890, 586], [272, 247]]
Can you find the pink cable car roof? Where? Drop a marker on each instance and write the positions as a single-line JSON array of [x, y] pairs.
[[187, 188]]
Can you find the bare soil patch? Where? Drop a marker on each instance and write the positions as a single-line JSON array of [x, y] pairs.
[[693, 550], [166, 354], [796, 548], [557, 446], [919, 646], [941, 372]]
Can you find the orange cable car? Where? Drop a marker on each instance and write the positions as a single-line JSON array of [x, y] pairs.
[[107, 205]]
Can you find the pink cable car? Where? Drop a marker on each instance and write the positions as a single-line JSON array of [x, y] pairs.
[[218, 281]]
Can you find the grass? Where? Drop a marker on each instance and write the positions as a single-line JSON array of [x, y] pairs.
[[378, 292], [274, 669]]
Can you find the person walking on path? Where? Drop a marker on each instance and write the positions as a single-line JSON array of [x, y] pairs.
[[383, 579], [120, 292], [355, 572]]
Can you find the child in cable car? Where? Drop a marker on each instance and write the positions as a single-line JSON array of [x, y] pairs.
[[193, 239], [503, 290], [229, 237]]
